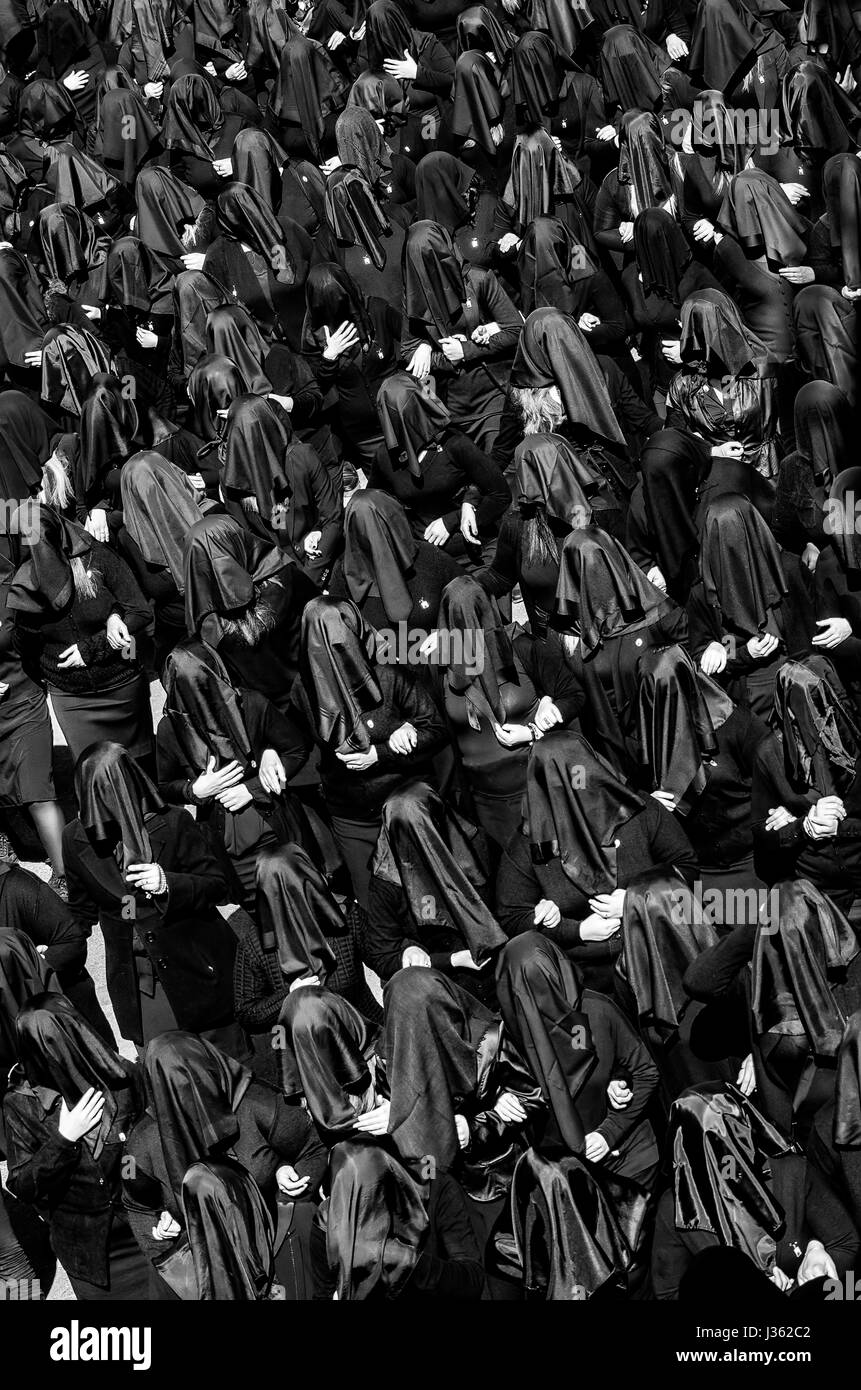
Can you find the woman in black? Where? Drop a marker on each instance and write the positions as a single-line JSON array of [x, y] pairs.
[[169, 217], [641, 180], [738, 1183], [159, 506], [752, 607], [717, 155], [66, 45], [72, 1106], [171, 961], [556, 271], [805, 801], [826, 337], [610, 615], [73, 254], [375, 726], [543, 183], [587, 837], [461, 327], [835, 252], [383, 1234], [230, 754], [246, 598], [198, 132], [351, 343], [276, 485], [108, 436], [77, 612], [231, 1234], [817, 119], [305, 935], [482, 115], [369, 244], [422, 66], [306, 97], [428, 900], [698, 751], [450, 193], [262, 262], [451, 491], [550, 92], [501, 690], [201, 1105], [362, 145], [394, 580]]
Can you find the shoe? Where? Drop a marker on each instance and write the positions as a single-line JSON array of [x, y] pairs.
[[7, 853], [58, 883]]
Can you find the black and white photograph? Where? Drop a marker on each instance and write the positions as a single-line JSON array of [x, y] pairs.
[[430, 672]]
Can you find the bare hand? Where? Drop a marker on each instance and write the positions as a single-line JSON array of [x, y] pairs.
[[608, 904], [713, 659], [234, 799], [547, 714], [147, 878], [547, 914], [273, 778], [358, 762], [765, 644], [415, 958], [70, 658], [404, 740], [210, 781], [83, 1117], [834, 631], [778, 818], [437, 533], [76, 81], [619, 1095], [342, 340], [167, 1228], [376, 1121], [597, 1147], [419, 364], [746, 1079], [452, 347], [96, 525], [510, 1109], [402, 69], [289, 1182]]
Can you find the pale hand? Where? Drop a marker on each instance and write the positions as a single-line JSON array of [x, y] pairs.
[[595, 927], [167, 1228], [713, 659], [817, 1264], [234, 799], [273, 778], [415, 957], [237, 72], [587, 322], [97, 525], [75, 1123], [655, 576], [404, 740], [339, 342], [619, 1095], [763, 645], [626, 232], [547, 714], [810, 557], [509, 242], [146, 338], [210, 781], [671, 351], [795, 192], [70, 658], [605, 132], [193, 260], [147, 878], [547, 914], [730, 449], [510, 1110], [608, 904], [437, 532], [223, 168], [119, 637], [376, 1121], [468, 523], [461, 1125], [597, 1147], [834, 631], [402, 69], [153, 90], [311, 544], [289, 1182], [452, 348], [358, 762], [704, 230], [512, 735], [798, 274], [746, 1079], [676, 47], [668, 800], [779, 818], [76, 81], [420, 363], [463, 960]]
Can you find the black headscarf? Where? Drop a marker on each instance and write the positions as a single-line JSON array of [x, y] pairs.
[[643, 160], [232, 332], [817, 115], [478, 102], [438, 858], [195, 295], [555, 268], [800, 940], [165, 206], [129, 274], [541, 176], [841, 185], [551, 475], [114, 797], [159, 509], [679, 712], [443, 184], [230, 1232], [714, 135], [361, 144], [434, 289], [576, 803], [244, 215], [714, 338], [308, 88], [23, 319], [720, 1145], [740, 566], [535, 79], [823, 427], [109, 423], [385, 97], [379, 550], [193, 1090], [296, 912], [59, 1052], [387, 33], [43, 582], [467, 607], [354, 215], [659, 943], [847, 1114], [257, 162], [337, 666], [69, 242], [223, 565], [726, 36], [376, 1220], [602, 591], [845, 541], [205, 709], [125, 133], [79, 181], [757, 212], [213, 385], [543, 1006], [255, 452], [479, 28], [412, 418], [193, 118], [46, 111], [23, 973], [552, 351], [25, 444], [71, 358], [631, 68], [821, 741], [826, 337], [662, 252]]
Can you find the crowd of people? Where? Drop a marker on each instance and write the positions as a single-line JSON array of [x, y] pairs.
[[428, 521]]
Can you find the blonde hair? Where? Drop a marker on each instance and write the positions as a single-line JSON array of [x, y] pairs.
[[86, 580], [56, 484], [540, 407]]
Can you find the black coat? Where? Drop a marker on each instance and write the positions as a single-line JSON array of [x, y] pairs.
[[190, 945]]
